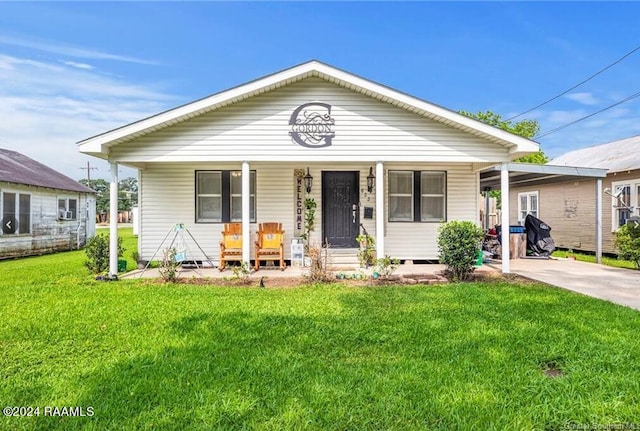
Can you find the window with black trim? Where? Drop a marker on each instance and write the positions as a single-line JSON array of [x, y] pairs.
[[417, 196], [219, 196], [17, 207], [67, 209]]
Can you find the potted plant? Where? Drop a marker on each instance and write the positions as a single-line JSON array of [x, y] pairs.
[[309, 220], [366, 254]]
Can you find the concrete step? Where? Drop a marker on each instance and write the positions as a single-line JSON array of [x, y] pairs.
[[343, 259]]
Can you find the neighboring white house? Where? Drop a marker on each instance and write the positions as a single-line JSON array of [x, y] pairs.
[[240, 155], [41, 210]]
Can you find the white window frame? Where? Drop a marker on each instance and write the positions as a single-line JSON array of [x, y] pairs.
[[523, 212], [17, 214], [633, 201], [63, 211]]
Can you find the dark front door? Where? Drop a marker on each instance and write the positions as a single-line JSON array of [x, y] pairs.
[[340, 214]]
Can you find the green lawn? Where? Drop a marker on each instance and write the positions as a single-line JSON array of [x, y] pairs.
[[458, 357], [609, 261]]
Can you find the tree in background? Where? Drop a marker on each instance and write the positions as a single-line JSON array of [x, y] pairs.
[[525, 128], [127, 195]]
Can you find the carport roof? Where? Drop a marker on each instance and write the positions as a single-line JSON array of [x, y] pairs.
[[531, 174]]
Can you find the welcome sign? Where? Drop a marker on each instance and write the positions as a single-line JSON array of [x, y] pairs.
[[298, 199]]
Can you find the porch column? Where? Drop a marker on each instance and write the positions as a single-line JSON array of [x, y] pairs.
[[599, 220], [504, 186], [380, 210], [246, 216], [113, 220]]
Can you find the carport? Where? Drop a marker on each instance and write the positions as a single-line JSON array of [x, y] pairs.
[[501, 177]]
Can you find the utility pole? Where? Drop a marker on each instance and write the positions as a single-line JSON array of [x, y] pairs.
[[89, 168]]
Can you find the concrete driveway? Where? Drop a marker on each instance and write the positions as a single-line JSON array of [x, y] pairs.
[[620, 286]]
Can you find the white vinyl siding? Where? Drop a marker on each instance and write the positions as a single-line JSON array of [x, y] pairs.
[[168, 194], [527, 204], [419, 240], [258, 129]]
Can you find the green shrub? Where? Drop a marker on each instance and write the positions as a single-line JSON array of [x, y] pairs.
[[458, 244], [97, 250], [627, 242], [386, 266], [169, 266]]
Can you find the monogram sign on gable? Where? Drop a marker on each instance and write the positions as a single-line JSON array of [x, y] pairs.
[[312, 125]]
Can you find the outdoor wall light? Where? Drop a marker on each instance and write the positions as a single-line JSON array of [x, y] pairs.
[[308, 181], [371, 180]]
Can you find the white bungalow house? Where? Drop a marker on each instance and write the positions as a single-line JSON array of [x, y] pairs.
[[238, 155], [41, 210]]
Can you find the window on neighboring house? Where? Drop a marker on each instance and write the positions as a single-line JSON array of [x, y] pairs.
[[17, 207], [219, 196], [67, 209], [627, 203], [527, 204], [418, 196]]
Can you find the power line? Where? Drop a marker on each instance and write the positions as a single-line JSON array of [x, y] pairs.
[[577, 85], [626, 99]]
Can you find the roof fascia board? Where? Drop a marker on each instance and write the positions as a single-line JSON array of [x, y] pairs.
[[553, 170]]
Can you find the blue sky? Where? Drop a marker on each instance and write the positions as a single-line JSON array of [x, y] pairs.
[[69, 71]]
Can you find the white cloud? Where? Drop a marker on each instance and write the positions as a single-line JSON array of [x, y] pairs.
[[70, 51], [78, 65], [47, 107], [583, 98]]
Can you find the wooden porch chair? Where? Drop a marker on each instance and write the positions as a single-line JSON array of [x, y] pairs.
[[270, 244], [231, 244]]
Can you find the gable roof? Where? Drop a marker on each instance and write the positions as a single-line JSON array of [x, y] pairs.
[[616, 156], [19, 169], [99, 145]]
